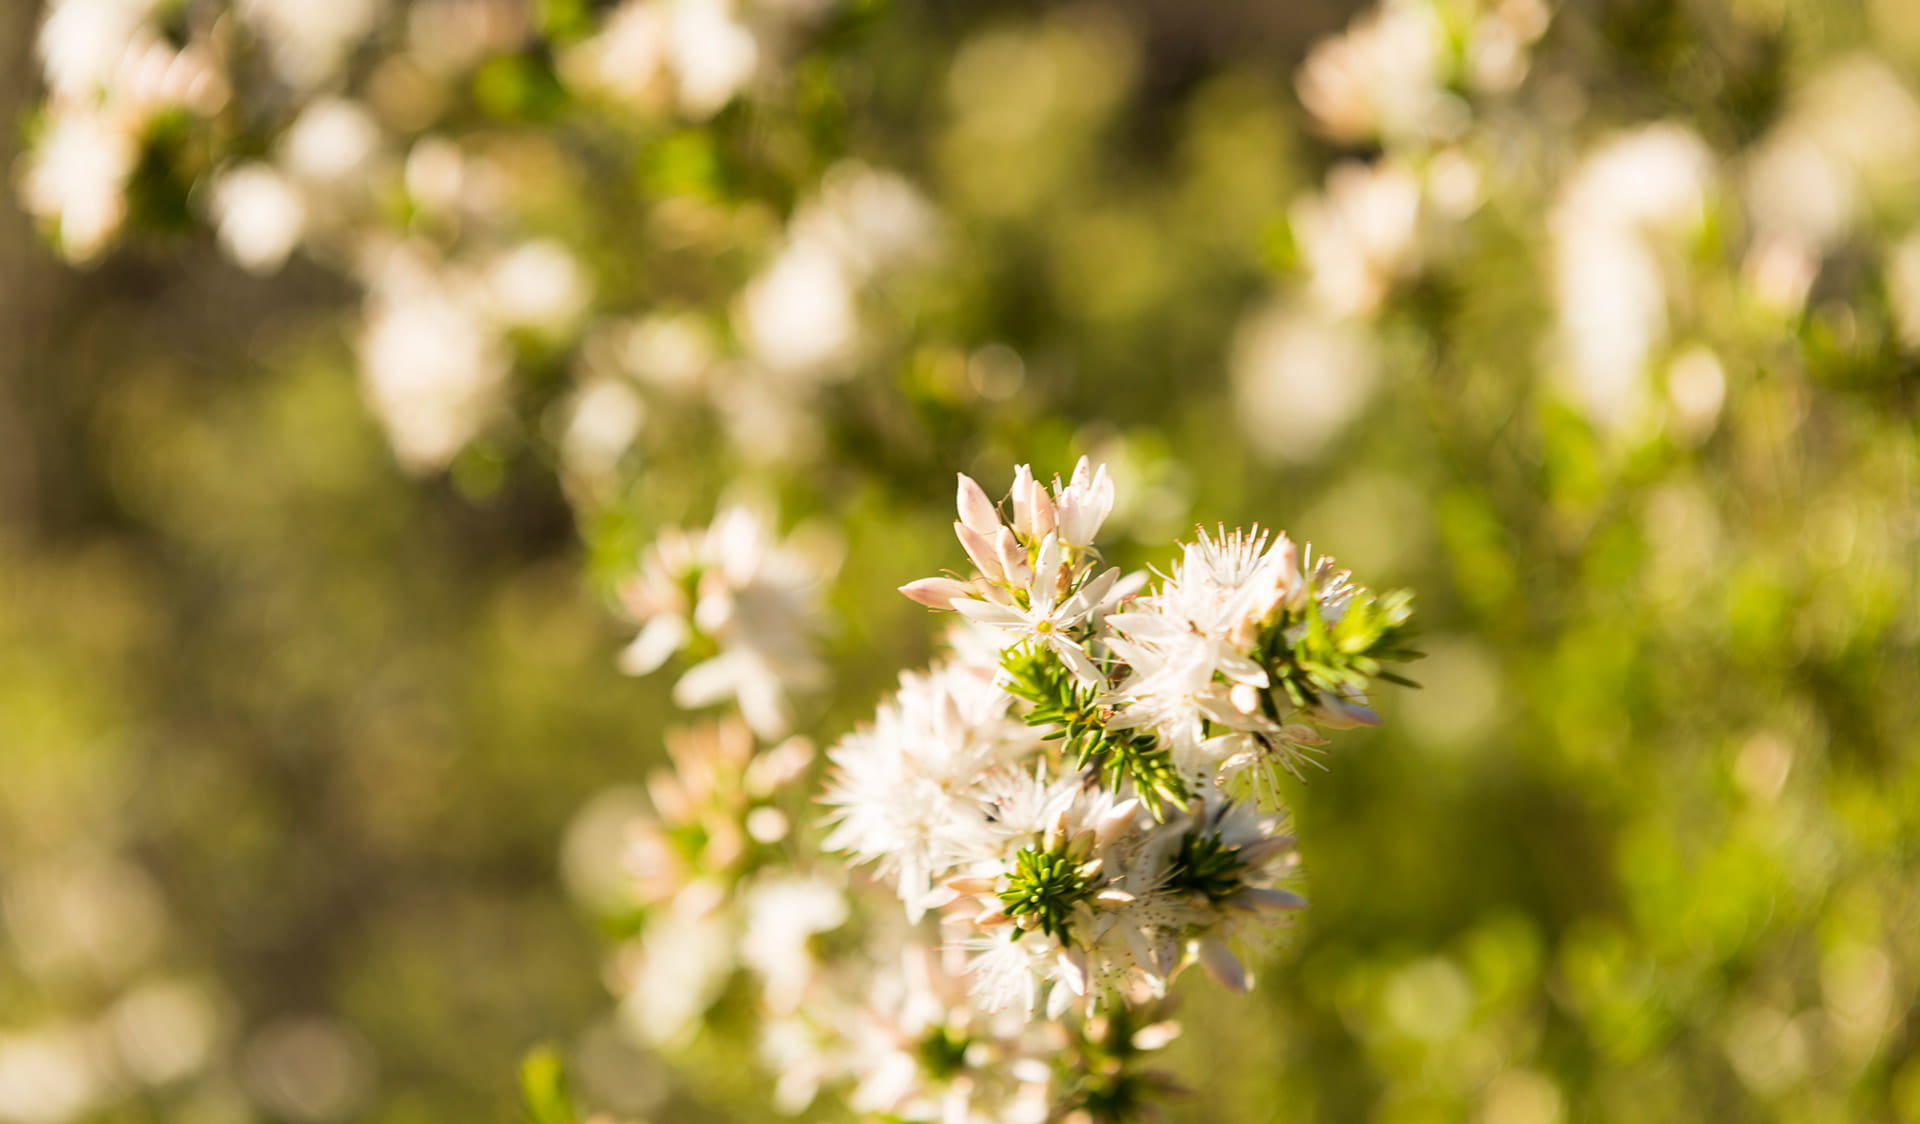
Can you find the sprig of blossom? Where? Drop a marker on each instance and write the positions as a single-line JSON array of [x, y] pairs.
[[1068, 816]]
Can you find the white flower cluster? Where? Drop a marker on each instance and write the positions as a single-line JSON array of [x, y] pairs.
[[350, 149], [1073, 807]]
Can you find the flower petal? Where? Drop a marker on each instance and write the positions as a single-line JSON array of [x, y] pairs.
[[991, 612], [660, 638]]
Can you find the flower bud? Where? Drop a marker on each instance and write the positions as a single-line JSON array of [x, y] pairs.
[[936, 593], [981, 549], [1083, 505], [976, 510], [1013, 559], [1033, 515]]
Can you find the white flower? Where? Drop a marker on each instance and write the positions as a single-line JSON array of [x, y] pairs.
[[1361, 237], [1618, 229], [713, 54], [1083, 504], [84, 42], [908, 792], [1382, 78], [1300, 377], [783, 915], [260, 216], [925, 1051], [77, 180], [432, 363], [1048, 620], [798, 316], [538, 284], [1190, 647], [308, 41], [681, 964], [753, 599]]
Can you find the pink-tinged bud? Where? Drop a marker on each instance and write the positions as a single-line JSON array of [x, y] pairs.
[[1013, 559], [980, 548], [1033, 514], [1286, 558], [936, 593], [1084, 504], [976, 510]]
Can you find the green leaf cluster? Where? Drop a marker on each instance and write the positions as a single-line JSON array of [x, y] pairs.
[[1206, 866], [1079, 722], [1312, 658], [1043, 889]]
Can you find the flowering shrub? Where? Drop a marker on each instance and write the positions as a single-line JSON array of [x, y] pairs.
[[1597, 323], [1076, 803]]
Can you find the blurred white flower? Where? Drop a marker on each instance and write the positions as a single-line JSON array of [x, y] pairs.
[[76, 179], [49, 1075], [748, 600], [784, 913], [1382, 78], [682, 962], [312, 1068], [905, 792], [1620, 220], [1299, 379], [1696, 388], [798, 315], [1850, 134], [447, 37], [537, 284], [627, 58], [307, 41], [602, 422], [435, 174], [1361, 237], [259, 216], [164, 1030], [331, 144], [431, 361], [870, 220], [714, 55], [83, 43], [673, 351]]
